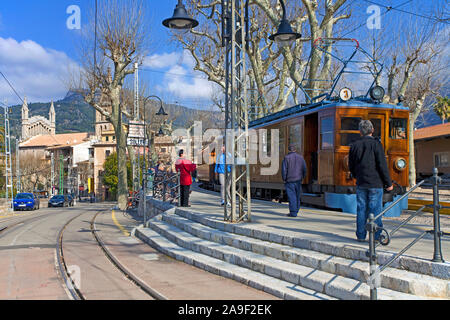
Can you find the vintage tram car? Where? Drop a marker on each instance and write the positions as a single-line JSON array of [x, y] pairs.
[[322, 133]]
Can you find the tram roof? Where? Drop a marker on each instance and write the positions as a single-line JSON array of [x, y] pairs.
[[309, 108]]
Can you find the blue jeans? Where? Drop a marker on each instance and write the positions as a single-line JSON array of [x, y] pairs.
[[369, 200], [293, 191]]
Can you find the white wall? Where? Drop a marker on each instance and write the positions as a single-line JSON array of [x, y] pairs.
[[81, 152]]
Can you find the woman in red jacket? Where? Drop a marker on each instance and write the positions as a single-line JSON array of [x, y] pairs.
[[185, 167]]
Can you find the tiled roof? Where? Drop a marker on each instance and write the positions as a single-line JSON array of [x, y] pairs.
[[432, 132], [57, 140]]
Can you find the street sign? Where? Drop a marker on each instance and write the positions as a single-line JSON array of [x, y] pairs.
[[138, 142], [136, 129]]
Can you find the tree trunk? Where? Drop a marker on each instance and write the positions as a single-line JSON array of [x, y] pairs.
[[412, 160], [122, 185]]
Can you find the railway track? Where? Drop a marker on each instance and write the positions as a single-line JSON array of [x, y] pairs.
[[15, 223], [70, 283]]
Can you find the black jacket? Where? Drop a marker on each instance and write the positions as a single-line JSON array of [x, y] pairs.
[[367, 163]]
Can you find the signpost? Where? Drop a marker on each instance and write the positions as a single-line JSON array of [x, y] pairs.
[[137, 142]]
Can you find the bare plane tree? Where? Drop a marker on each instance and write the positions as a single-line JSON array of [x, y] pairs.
[[121, 41], [414, 69], [275, 73]]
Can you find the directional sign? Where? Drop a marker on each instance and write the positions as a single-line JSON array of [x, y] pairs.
[[138, 142], [136, 129]]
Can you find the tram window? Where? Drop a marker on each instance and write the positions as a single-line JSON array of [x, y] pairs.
[[295, 136], [266, 142], [441, 159], [281, 141], [350, 123], [397, 128], [349, 138], [326, 132], [376, 128]]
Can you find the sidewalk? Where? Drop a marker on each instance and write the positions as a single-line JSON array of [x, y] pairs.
[[335, 228]]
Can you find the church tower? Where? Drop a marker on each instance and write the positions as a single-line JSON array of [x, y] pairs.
[[25, 119], [52, 118]]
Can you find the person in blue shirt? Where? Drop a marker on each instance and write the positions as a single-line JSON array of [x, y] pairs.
[[220, 169]]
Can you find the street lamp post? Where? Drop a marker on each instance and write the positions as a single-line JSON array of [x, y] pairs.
[[235, 30], [161, 112], [284, 36]]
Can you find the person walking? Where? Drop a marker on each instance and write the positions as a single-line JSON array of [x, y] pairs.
[[220, 170], [367, 163], [184, 167], [293, 170]]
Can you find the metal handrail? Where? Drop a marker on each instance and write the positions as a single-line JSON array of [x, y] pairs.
[[384, 240], [166, 178], [399, 199]]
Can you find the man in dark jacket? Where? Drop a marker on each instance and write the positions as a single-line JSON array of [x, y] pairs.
[[367, 163], [293, 171]]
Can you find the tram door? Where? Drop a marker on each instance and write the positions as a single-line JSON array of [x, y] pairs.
[[378, 121], [311, 144]]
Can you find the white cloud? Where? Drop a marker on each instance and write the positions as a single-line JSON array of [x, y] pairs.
[[34, 71], [160, 61], [180, 80], [188, 85]]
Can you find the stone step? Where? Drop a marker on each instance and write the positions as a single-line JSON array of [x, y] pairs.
[[320, 281], [390, 278], [278, 288], [415, 265]]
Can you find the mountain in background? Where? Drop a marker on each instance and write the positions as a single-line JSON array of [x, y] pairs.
[[73, 114]]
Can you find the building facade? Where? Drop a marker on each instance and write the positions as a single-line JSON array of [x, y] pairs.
[[37, 125], [432, 150]]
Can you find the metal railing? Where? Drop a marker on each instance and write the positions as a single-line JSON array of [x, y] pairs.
[[385, 236], [166, 187]]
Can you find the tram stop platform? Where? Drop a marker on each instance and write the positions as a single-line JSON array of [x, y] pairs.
[[312, 256]]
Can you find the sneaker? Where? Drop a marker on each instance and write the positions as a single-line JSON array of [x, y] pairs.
[[361, 240], [222, 203], [289, 215]]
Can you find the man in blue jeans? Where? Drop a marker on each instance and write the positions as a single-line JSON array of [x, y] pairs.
[[367, 163], [220, 170], [293, 170]]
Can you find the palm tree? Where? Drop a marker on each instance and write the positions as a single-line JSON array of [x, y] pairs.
[[442, 108]]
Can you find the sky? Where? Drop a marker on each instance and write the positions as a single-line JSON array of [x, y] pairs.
[[37, 48]]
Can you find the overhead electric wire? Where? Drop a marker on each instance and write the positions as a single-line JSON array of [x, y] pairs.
[[11, 86], [404, 11], [388, 9], [173, 74]]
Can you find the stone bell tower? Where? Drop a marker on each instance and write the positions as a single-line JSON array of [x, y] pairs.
[[25, 119], [52, 118]]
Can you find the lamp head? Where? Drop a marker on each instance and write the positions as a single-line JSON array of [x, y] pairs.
[[180, 20], [285, 36]]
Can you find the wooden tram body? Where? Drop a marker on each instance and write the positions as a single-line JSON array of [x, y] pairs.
[[322, 133], [323, 130]]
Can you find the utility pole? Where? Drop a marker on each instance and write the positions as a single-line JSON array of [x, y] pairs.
[[69, 176], [53, 172], [136, 118], [61, 174], [19, 183], [235, 30], [8, 167]]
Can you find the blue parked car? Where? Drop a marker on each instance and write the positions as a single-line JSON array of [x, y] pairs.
[[26, 201]]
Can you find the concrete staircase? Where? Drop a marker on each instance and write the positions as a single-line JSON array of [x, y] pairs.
[[286, 267]]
